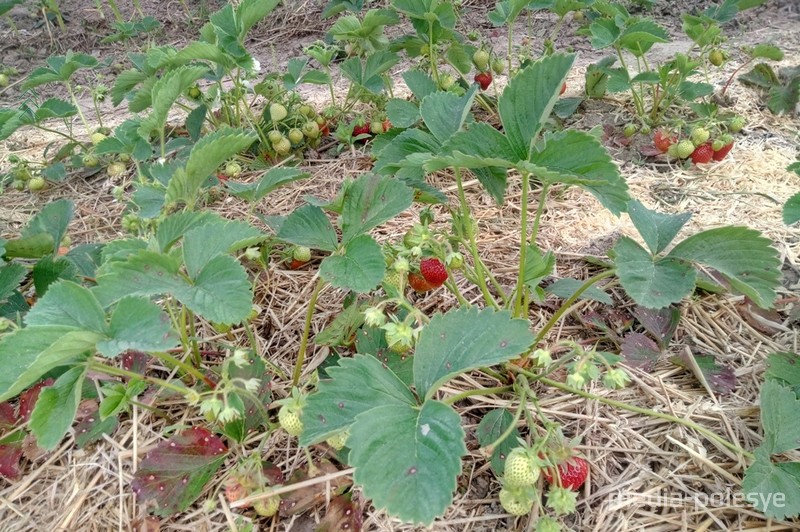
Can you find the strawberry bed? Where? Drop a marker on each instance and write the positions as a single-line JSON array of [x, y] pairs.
[[522, 266]]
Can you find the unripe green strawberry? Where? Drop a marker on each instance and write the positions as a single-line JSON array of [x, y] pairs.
[[90, 161], [481, 59], [124, 157], [518, 470], [18, 185], [498, 66], [267, 507], [233, 169], [311, 129], [36, 184], [716, 57], [295, 136], [672, 151], [277, 112], [514, 503], [684, 149], [446, 81], [699, 136], [274, 136], [3, 80], [717, 145], [194, 92], [629, 130], [97, 138], [737, 123], [338, 441], [306, 110], [473, 35], [116, 169], [283, 146], [393, 279], [645, 130], [301, 253], [290, 421]]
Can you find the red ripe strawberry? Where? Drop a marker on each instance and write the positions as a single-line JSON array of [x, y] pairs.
[[572, 473], [362, 129], [418, 282], [297, 264], [662, 140], [484, 79], [222, 177], [563, 88], [722, 152], [433, 271], [702, 154]]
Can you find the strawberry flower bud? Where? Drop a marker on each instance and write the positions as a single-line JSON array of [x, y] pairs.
[[576, 380], [542, 357], [616, 378]]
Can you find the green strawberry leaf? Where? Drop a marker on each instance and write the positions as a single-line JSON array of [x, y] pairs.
[[773, 489], [744, 257], [55, 409], [529, 98], [253, 406], [657, 229], [791, 210], [11, 275], [27, 354], [652, 282], [419, 83], [356, 385], [271, 180], [784, 368], [221, 291], [444, 113], [308, 226], [780, 416], [465, 339], [50, 269], [165, 92], [370, 201], [204, 243], [53, 220], [564, 288], [68, 304], [407, 459], [491, 427], [171, 229], [137, 324], [174, 474], [402, 113], [575, 157], [360, 269]]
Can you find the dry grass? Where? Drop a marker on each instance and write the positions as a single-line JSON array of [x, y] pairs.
[[647, 473]]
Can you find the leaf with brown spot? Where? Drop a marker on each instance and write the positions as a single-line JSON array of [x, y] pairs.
[[90, 427], [135, 361], [174, 474], [343, 515], [640, 352], [298, 501]]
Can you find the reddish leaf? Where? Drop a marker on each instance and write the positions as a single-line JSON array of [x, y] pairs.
[[8, 416], [639, 351], [661, 323], [135, 361], [90, 427], [718, 379], [10, 455], [174, 474], [28, 398], [343, 516]]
